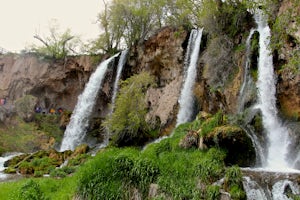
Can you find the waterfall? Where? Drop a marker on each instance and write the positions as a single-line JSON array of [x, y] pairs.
[[277, 134], [279, 189], [2, 168], [246, 78], [121, 64], [186, 100], [76, 129], [253, 190]]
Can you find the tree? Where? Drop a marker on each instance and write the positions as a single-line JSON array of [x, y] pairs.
[[127, 123], [58, 44]]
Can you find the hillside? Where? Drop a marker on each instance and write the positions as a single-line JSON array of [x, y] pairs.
[[237, 85]]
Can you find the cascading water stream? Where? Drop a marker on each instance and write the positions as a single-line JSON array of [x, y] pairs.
[[186, 100], [76, 129], [190, 71], [247, 77], [277, 134], [2, 168], [121, 64], [276, 180]]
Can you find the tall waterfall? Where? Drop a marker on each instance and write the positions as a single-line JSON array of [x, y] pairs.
[[246, 78], [276, 180], [186, 101], [76, 129], [121, 64], [277, 134]]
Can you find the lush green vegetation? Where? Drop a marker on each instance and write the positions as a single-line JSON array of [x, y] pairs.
[[49, 124], [22, 137], [127, 124], [115, 173], [39, 188]]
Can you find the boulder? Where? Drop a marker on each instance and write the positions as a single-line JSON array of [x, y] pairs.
[[191, 139], [235, 141]]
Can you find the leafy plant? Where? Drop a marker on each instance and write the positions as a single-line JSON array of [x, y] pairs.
[[213, 192], [127, 124], [30, 190], [233, 183]]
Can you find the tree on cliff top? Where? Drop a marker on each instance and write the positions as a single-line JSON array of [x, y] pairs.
[[127, 123], [57, 45]]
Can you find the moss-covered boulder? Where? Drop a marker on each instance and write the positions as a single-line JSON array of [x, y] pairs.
[[235, 141], [191, 139], [44, 162]]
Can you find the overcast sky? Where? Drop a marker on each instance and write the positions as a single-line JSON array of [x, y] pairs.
[[21, 19]]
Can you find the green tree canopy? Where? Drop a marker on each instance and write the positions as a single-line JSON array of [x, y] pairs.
[[127, 123], [58, 44]]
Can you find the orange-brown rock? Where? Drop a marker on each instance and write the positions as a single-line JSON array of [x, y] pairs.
[[162, 55], [288, 94], [55, 84]]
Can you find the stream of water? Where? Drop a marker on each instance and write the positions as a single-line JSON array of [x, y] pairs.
[[186, 99], [276, 180], [76, 129]]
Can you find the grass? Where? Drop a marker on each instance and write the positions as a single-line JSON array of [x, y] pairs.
[[24, 137], [114, 173], [56, 189]]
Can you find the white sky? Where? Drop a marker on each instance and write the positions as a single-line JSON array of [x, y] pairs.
[[21, 19]]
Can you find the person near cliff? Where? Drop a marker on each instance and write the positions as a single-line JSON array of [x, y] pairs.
[[3, 101]]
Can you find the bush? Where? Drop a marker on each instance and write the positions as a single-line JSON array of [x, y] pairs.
[[233, 183], [30, 190], [127, 124], [213, 192], [62, 172]]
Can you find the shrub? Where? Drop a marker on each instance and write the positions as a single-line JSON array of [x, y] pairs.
[[213, 192], [30, 190], [62, 172], [233, 183], [127, 124]]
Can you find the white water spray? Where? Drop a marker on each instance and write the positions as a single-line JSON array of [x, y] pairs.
[[121, 64], [276, 132], [2, 161], [186, 100], [253, 190], [246, 78], [76, 129]]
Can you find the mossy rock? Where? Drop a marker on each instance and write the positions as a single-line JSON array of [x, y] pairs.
[[191, 139], [15, 160], [235, 141], [81, 149], [10, 170]]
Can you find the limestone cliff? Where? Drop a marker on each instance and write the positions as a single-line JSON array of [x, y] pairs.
[[56, 84], [162, 55]]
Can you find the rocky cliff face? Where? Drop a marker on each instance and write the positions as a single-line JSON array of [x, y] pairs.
[[162, 55], [55, 84], [288, 87]]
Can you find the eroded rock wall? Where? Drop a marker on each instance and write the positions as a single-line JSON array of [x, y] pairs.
[[55, 84], [163, 56]]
